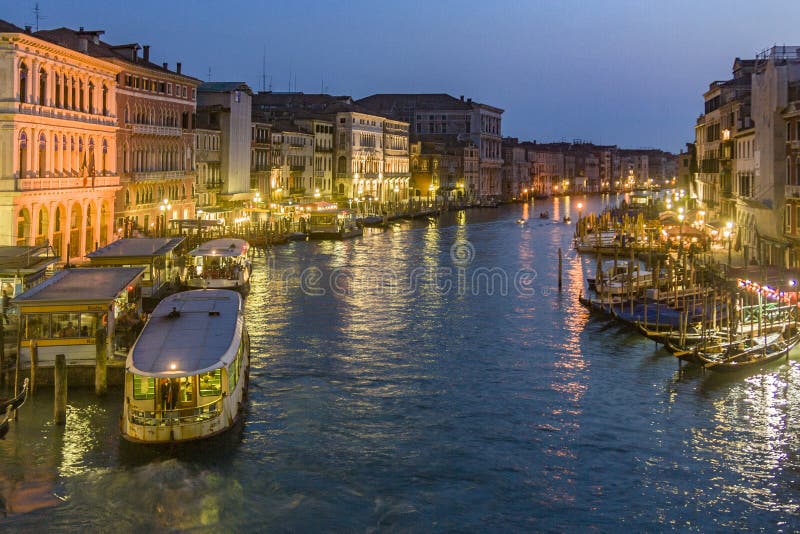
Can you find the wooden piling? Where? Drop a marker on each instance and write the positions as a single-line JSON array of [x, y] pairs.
[[100, 368], [559, 268], [34, 363], [60, 397]]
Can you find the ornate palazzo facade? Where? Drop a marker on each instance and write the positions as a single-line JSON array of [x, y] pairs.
[[58, 150]]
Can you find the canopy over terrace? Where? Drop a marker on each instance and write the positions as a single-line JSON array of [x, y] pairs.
[[75, 313], [157, 255], [23, 266]]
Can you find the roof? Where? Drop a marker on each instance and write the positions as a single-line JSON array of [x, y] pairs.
[[224, 87], [193, 340], [144, 246], [394, 102], [69, 285], [7, 27], [221, 247], [95, 47]]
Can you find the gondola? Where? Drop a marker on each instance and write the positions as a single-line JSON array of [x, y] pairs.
[[9, 406], [753, 357], [15, 402]]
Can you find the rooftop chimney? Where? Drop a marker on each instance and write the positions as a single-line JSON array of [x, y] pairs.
[[146, 53], [462, 98], [165, 65], [27, 29], [178, 67]]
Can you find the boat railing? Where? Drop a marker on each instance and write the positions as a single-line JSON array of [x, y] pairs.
[[177, 416]]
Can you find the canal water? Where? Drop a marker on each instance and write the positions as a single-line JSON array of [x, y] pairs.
[[432, 377]]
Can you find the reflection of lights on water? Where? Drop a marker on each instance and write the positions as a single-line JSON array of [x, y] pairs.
[[754, 434]]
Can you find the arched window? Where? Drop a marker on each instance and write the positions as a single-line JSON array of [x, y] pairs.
[[91, 98], [105, 100], [73, 101], [42, 87], [127, 198], [58, 91], [23, 154], [42, 155], [80, 96], [23, 82], [55, 154], [105, 153]]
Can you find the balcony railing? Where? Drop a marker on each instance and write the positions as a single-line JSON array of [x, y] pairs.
[[297, 167], [792, 191], [57, 113], [151, 129], [157, 175], [70, 182]]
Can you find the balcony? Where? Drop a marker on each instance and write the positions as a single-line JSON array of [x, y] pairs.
[[150, 129], [157, 175], [67, 182], [57, 113], [793, 145], [297, 168], [792, 191], [209, 187]]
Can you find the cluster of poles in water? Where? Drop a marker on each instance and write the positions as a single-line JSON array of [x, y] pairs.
[[679, 297]]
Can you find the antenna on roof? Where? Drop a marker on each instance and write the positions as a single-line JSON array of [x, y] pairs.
[[209, 74], [37, 13], [264, 70]]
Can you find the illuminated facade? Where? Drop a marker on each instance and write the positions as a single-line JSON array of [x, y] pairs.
[[58, 146], [433, 116]]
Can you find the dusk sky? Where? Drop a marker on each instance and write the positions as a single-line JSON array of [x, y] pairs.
[[624, 72]]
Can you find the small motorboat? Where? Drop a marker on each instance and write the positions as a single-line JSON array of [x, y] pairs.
[[544, 215], [567, 219], [521, 220]]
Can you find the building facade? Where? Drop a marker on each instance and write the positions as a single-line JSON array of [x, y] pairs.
[[58, 146]]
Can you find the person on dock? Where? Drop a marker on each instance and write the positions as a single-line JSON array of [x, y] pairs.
[[6, 305]]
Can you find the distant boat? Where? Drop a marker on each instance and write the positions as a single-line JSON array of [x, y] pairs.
[[544, 215], [567, 219], [521, 220], [221, 264]]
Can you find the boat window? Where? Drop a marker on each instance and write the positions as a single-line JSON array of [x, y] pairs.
[[89, 322], [66, 324], [211, 383], [36, 326], [232, 376], [144, 387], [187, 390]]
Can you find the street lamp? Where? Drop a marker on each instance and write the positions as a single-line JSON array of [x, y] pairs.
[[164, 207], [729, 236], [396, 196]]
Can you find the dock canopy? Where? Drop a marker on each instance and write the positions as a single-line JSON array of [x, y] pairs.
[[160, 256], [82, 285], [189, 333], [136, 248], [226, 246]]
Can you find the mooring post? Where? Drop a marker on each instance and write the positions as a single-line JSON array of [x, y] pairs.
[[559, 268], [60, 397], [100, 371]]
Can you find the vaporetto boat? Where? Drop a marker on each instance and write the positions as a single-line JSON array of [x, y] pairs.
[[220, 264], [186, 377]]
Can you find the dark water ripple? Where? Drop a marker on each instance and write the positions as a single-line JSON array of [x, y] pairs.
[[383, 398]]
